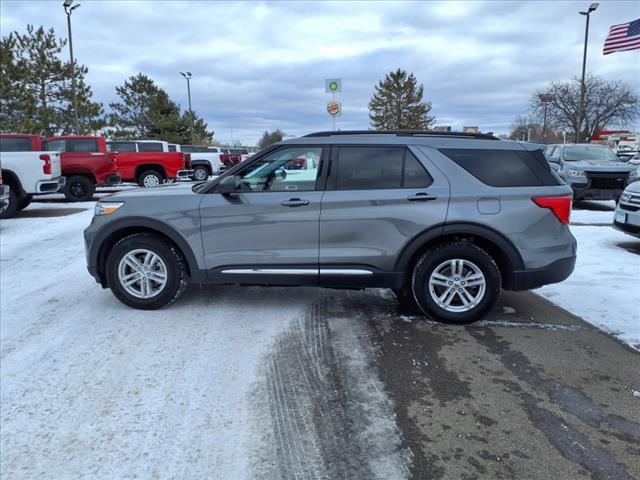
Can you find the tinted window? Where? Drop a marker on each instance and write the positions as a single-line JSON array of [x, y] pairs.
[[172, 148], [15, 144], [504, 168], [121, 146], [375, 168], [83, 145], [273, 173], [149, 147], [57, 145]]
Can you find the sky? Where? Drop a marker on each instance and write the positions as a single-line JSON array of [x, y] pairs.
[[258, 66]]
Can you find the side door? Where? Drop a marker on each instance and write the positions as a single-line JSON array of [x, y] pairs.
[[377, 199], [267, 231]]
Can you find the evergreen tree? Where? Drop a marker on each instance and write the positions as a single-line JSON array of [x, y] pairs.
[[201, 134], [36, 85], [397, 104], [269, 138]]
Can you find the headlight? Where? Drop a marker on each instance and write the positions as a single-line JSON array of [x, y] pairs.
[[577, 173], [106, 208]]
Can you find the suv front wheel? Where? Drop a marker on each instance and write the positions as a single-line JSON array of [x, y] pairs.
[[146, 272], [456, 282]]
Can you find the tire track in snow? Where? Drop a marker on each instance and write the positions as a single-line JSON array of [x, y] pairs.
[[322, 410]]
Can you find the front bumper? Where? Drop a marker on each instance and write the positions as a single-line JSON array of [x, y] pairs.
[[627, 216], [537, 277], [184, 175], [50, 186]]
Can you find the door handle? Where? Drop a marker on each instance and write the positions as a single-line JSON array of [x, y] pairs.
[[295, 202], [421, 197]]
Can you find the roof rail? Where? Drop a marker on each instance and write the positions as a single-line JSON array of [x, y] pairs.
[[405, 133]]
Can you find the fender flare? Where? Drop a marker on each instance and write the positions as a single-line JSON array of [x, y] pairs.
[[460, 228]]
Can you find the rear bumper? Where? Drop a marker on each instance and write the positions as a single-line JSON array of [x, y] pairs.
[[113, 179], [537, 277], [50, 186], [184, 175], [587, 193]]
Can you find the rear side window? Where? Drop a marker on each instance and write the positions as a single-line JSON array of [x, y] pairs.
[[121, 146], [57, 145], [504, 168], [83, 145], [15, 144], [149, 147], [172, 148], [378, 168]]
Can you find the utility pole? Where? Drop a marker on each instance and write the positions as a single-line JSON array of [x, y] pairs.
[[592, 8], [68, 9], [187, 76]]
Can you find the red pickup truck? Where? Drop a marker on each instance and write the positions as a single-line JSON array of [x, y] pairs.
[[148, 169], [84, 167]]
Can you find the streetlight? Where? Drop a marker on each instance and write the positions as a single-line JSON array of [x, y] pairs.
[[68, 9], [592, 8], [545, 99], [187, 76]]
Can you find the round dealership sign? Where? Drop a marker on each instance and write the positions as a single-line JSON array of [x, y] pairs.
[[333, 108]]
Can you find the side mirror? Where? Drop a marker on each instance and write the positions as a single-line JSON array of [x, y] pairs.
[[227, 185]]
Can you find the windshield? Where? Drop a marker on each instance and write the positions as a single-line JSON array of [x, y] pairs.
[[575, 153]]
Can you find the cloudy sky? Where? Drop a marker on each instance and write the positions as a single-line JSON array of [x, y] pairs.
[[262, 65]]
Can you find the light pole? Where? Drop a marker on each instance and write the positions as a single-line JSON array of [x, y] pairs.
[[187, 76], [592, 8], [68, 9], [545, 99]]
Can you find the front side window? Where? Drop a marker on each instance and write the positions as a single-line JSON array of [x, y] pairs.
[[286, 169], [83, 145], [377, 168]]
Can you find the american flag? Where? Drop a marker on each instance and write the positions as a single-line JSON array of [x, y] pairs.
[[625, 36]]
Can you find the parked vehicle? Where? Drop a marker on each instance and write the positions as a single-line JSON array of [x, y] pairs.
[[27, 170], [4, 192], [592, 171], [85, 165], [242, 154], [443, 219], [627, 214], [138, 146], [145, 168], [206, 161]]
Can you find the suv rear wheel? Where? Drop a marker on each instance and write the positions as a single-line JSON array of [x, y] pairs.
[[456, 282], [146, 272]]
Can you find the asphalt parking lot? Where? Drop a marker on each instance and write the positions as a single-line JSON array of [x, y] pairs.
[[294, 382]]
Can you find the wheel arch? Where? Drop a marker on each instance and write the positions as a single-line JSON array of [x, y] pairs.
[[82, 172], [108, 238], [140, 169], [493, 242], [202, 163], [9, 177]]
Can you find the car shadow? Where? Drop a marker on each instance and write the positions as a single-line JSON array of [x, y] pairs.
[[633, 247], [48, 212], [594, 206]]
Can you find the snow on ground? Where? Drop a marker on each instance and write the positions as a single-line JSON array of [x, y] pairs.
[[604, 287], [90, 388]]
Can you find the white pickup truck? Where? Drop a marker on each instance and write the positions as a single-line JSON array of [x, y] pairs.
[[205, 161], [27, 173]]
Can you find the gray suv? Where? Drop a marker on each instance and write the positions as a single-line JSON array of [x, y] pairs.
[[445, 220], [593, 171]]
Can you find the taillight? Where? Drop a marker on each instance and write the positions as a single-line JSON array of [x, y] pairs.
[[46, 167], [559, 205], [187, 160], [222, 157], [114, 162]]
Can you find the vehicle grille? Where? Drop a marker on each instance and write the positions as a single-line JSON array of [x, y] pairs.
[[608, 181], [629, 202]]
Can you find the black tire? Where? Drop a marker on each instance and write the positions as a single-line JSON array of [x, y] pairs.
[[200, 173], [437, 256], [10, 209], [25, 202], [79, 188], [149, 176], [407, 305], [175, 269]]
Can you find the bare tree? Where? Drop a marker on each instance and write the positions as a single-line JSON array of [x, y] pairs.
[[608, 103], [528, 128]]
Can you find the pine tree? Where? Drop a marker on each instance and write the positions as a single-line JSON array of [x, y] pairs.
[[201, 134], [36, 85], [269, 138], [397, 104]]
